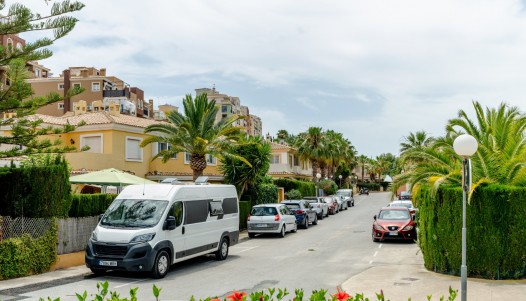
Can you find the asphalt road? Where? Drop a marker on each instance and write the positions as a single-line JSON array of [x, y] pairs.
[[320, 257]]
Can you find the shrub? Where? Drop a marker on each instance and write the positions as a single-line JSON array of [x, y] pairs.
[[293, 194], [89, 204], [329, 187], [244, 211], [370, 186], [265, 193], [304, 187]]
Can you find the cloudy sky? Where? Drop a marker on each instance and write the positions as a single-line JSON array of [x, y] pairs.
[[372, 70]]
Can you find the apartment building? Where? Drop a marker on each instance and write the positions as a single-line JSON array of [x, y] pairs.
[[98, 85], [256, 126], [285, 163], [231, 105]]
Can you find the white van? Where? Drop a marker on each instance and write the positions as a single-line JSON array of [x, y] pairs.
[[151, 227]]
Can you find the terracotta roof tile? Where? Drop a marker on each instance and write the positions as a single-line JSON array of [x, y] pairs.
[[95, 118]]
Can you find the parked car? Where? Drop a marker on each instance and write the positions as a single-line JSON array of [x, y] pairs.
[[303, 211], [332, 204], [394, 223], [347, 195], [342, 205], [322, 208], [405, 195], [271, 218], [405, 203]]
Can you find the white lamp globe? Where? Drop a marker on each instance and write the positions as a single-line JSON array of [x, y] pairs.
[[465, 145], [318, 175]]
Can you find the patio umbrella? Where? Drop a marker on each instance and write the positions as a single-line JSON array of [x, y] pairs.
[[109, 177]]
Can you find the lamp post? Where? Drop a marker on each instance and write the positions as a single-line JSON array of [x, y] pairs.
[[465, 146], [340, 176], [318, 176]]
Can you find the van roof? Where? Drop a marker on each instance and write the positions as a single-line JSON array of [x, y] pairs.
[[167, 192]]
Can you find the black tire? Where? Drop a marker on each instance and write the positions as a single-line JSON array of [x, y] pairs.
[[327, 215], [306, 224], [283, 230], [251, 235], [315, 222], [98, 272], [320, 217], [222, 252], [161, 265]]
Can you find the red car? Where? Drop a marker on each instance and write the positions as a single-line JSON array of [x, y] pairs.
[[333, 204], [394, 223]]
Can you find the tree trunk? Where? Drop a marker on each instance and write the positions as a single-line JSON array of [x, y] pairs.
[[314, 164], [197, 164]]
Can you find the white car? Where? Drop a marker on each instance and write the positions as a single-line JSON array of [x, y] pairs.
[[318, 204], [271, 218], [405, 203], [347, 195]]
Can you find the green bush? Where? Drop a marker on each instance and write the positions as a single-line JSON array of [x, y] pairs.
[[265, 193], [293, 194], [385, 185], [244, 211], [329, 187], [89, 204], [496, 231], [304, 187], [23, 256], [370, 186]]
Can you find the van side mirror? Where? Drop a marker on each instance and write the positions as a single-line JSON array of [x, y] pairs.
[[169, 224], [101, 216], [374, 217]]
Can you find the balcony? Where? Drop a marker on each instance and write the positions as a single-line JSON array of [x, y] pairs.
[[116, 93]]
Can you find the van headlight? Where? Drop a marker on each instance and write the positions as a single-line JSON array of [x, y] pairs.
[[143, 238], [94, 236]]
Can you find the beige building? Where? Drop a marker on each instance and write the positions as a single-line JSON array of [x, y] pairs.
[[285, 163], [98, 87], [256, 126]]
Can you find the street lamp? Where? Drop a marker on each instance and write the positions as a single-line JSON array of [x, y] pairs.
[[465, 146], [340, 176], [318, 176]]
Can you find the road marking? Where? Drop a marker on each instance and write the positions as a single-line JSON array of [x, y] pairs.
[[375, 253], [130, 283], [247, 249], [380, 246], [370, 262]]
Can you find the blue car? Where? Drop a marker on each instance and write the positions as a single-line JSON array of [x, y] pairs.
[[303, 211]]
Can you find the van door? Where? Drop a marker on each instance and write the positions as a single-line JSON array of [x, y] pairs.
[[176, 236]]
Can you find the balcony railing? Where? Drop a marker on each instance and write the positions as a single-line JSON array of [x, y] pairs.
[[116, 93]]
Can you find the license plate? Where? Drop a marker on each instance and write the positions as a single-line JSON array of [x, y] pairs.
[[393, 233], [261, 225], [108, 263]]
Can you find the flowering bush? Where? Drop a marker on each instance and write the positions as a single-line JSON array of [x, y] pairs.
[[270, 294]]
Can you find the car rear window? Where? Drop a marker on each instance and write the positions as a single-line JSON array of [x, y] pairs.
[[263, 211], [293, 206]]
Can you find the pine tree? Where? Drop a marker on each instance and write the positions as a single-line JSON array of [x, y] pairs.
[[16, 95]]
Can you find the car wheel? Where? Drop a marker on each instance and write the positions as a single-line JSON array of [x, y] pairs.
[[161, 265], [306, 225], [222, 252], [251, 235], [295, 229], [327, 215], [98, 272], [321, 215], [282, 233], [315, 222]]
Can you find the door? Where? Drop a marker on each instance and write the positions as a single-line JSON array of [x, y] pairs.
[[288, 216], [176, 236]]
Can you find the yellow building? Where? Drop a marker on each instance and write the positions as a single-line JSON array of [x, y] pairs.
[[285, 163]]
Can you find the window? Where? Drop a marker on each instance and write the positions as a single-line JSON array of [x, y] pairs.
[[224, 109], [177, 211], [133, 149], [93, 141], [211, 160], [37, 73], [76, 85], [95, 87], [161, 146], [187, 158], [61, 106], [274, 159], [61, 86], [10, 44], [216, 208]]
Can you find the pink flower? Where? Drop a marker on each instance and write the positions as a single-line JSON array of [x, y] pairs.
[[341, 295], [237, 296]]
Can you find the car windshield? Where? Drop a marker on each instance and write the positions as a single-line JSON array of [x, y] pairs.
[[293, 206], [393, 214], [263, 211], [134, 213], [344, 193]]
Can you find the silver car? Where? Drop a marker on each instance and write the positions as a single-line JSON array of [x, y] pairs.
[[347, 195], [271, 218], [318, 204], [341, 204]]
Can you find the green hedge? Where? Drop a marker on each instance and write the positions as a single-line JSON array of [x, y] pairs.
[[496, 231], [89, 204], [22, 256], [370, 186], [304, 187], [244, 210], [35, 191]]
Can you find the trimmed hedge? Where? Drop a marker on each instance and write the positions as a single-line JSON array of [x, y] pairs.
[[304, 187], [370, 186], [496, 231], [22, 256], [244, 210], [89, 204]]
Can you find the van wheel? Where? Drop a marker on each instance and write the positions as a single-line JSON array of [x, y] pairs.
[[282, 233], [222, 252], [161, 265]]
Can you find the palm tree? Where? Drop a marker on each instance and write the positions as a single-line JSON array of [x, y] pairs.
[[363, 160], [419, 140], [310, 145], [195, 132]]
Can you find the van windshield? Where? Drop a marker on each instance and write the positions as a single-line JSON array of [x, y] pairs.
[[134, 213]]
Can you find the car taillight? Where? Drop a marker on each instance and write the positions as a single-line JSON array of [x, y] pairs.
[[319, 205], [248, 218], [300, 211], [277, 217]]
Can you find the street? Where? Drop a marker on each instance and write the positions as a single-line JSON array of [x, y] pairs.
[[320, 257]]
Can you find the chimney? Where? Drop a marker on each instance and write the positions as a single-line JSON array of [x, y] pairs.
[[84, 73], [67, 86], [102, 72]]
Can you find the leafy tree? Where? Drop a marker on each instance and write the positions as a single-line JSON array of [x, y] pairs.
[[363, 161], [238, 172], [16, 96], [196, 133]]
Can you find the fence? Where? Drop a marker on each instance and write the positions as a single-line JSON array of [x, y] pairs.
[[73, 233]]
